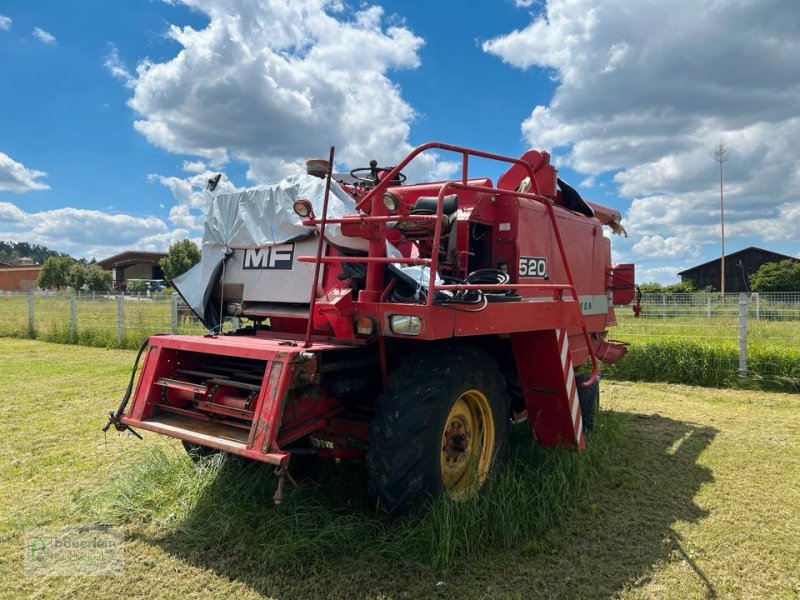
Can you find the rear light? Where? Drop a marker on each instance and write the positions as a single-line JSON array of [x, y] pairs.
[[365, 326], [405, 324]]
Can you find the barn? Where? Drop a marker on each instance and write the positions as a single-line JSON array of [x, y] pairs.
[[133, 264], [739, 266]]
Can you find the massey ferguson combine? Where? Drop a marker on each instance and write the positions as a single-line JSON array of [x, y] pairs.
[[407, 324]]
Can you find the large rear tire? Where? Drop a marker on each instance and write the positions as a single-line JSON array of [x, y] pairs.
[[589, 399], [440, 428]]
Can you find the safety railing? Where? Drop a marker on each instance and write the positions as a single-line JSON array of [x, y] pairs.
[[374, 280]]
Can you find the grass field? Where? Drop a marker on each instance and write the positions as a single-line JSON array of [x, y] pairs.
[[723, 331], [689, 493]]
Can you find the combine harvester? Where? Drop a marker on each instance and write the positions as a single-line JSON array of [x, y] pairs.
[[404, 323]]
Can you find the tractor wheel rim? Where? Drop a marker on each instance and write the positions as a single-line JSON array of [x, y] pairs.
[[467, 448]]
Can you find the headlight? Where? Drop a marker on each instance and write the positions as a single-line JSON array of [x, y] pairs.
[[405, 324], [302, 208], [391, 202]]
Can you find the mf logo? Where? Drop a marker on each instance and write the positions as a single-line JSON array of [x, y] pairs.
[[274, 257]]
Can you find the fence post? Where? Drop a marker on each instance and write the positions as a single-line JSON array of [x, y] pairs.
[[120, 317], [663, 306], [743, 302], [31, 321], [708, 307], [73, 318], [174, 312]]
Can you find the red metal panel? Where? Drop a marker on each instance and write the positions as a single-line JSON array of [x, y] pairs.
[[541, 374]]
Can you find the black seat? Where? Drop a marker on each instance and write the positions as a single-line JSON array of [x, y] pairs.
[[427, 205]]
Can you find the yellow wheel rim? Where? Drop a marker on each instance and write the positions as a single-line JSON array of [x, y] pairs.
[[467, 448]]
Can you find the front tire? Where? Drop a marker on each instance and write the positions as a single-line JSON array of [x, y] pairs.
[[589, 399], [440, 428]]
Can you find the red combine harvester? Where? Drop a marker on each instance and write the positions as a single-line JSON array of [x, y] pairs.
[[404, 323]]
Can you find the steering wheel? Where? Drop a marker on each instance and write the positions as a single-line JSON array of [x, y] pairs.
[[369, 175]]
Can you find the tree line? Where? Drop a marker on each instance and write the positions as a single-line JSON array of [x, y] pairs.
[[62, 271]]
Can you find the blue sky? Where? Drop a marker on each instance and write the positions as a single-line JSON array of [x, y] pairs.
[[113, 113]]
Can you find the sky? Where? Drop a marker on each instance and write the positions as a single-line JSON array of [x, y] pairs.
[[114, 114]]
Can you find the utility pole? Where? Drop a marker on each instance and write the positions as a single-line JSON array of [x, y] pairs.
[[721, 155]]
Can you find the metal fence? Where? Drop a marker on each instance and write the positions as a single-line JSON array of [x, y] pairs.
[[750, 326], [121, 320], [746, 327]]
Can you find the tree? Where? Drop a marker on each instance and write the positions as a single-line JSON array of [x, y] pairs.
[[55, 272], [783, 276], [651, 287], [180, 257], [77, 276], [97, 278], [682, 287], [12, 252]]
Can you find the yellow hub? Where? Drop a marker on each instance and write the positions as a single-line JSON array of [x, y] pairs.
[[467, 445]]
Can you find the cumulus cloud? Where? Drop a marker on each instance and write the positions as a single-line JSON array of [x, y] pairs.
[[646, 104], [44, 36], [5, 23], [16, 177], [194, 166], [656, 246], [192, 200], [272, 84], [89, 233]]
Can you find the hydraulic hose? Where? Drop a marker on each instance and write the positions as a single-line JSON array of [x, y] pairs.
[[114, 416]]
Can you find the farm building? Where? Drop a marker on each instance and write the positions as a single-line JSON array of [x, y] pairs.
[[19, 278], [133, 264], [739, 266]]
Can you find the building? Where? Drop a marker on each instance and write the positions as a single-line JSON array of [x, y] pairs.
[[19, 278], [739, 266], [133, 265]]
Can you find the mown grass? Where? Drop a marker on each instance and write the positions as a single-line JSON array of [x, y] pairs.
[[231, 505], [695, 494]]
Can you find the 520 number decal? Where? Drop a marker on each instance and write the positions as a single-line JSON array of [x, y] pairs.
[[533, 266]]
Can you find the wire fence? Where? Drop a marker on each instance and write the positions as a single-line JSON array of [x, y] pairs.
[[110, 320], [693, 338], [744, 336]]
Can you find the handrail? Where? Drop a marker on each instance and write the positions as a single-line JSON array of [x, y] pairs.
[[384, 183], [320, 243], [465, 153]]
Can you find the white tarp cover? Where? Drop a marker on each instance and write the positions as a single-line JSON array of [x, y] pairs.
[[258, 218]]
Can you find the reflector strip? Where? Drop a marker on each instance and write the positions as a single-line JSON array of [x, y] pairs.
[[571, 387]]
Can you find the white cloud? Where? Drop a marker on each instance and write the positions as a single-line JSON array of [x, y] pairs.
[[644, 91], [192, 200], [663, 275], [273, 83], [44, 36], [89, 233], [5, 23], [656, 246], [117, 68], [194, 166], [16, 177]]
